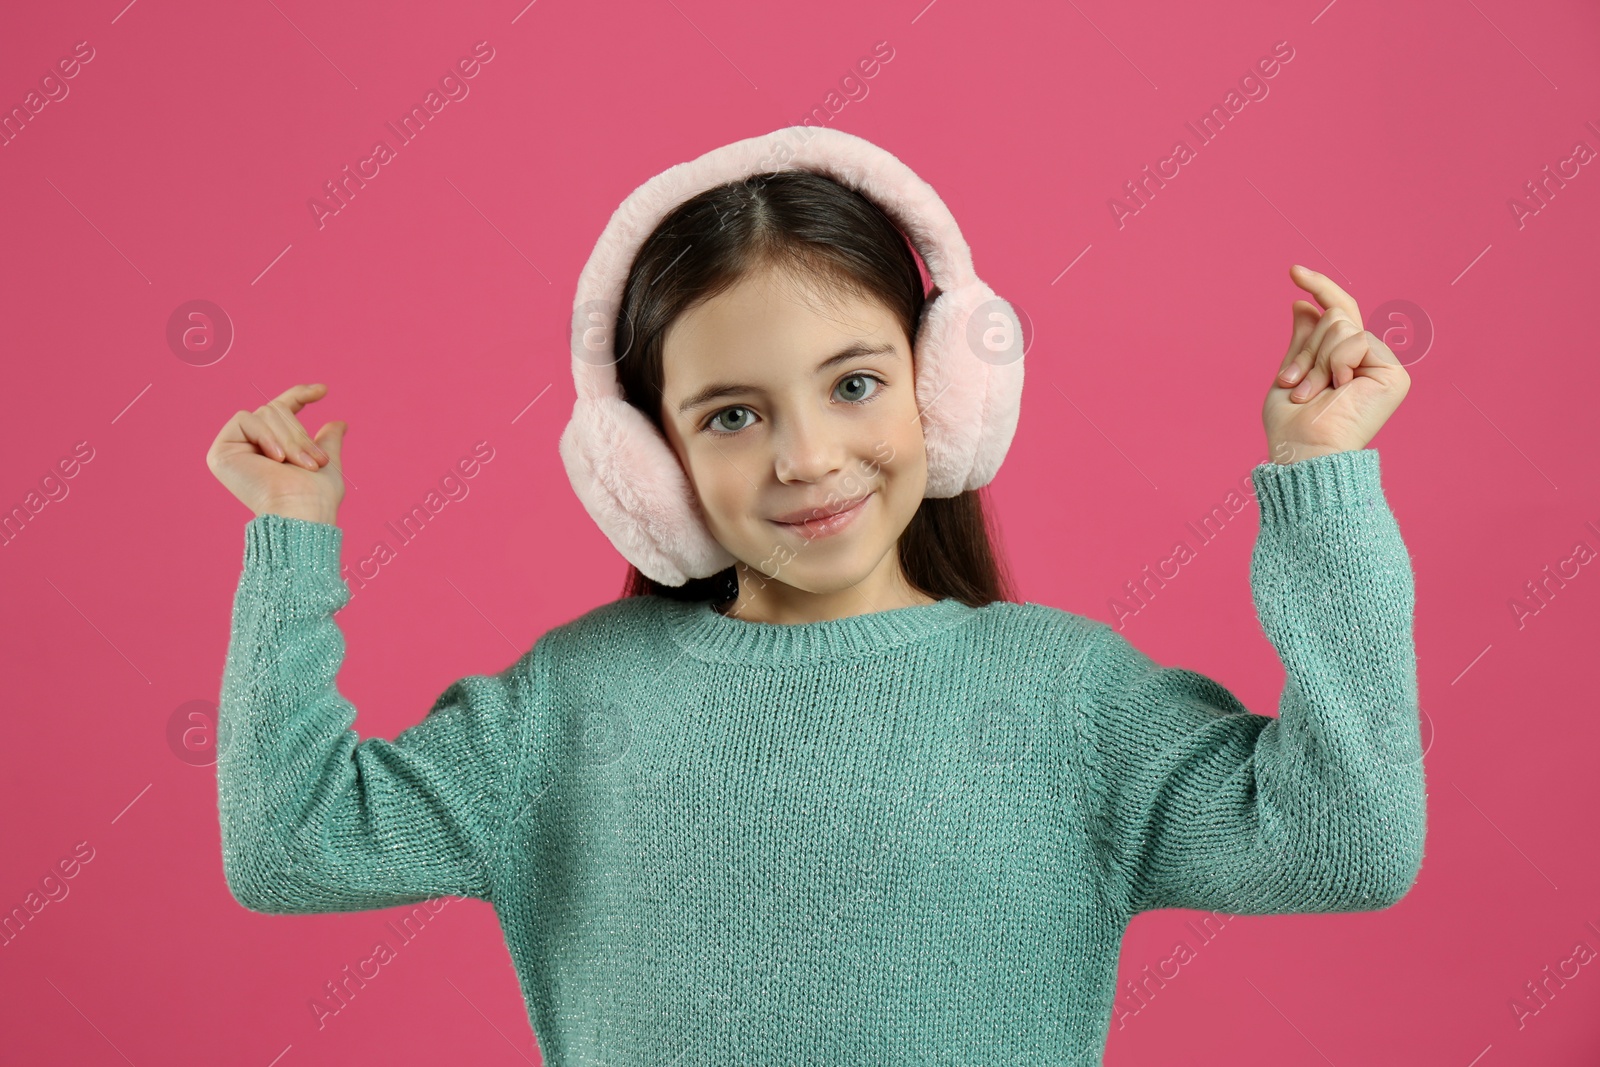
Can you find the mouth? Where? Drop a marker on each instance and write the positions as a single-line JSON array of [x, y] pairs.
[[820, 522]]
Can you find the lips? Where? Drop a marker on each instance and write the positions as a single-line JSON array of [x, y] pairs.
[[821, 511]]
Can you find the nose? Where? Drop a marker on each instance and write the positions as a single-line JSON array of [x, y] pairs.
[[808, 448]]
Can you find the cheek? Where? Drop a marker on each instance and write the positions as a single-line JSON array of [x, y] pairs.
[[904, 461], [898, 446], [724, 491]]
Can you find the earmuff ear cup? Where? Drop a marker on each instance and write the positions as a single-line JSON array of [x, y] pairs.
[[630, 481], [969, 385]]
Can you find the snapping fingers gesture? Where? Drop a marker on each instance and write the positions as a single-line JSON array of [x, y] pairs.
[[1338, 382], [268, 460]]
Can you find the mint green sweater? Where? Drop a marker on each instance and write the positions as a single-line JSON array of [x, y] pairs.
[[914, 836]]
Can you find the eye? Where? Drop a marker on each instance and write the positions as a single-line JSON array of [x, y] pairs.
[[714, 421], [724, 432], [864, 378]]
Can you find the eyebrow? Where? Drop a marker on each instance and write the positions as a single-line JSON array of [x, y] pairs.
[[720, 389]]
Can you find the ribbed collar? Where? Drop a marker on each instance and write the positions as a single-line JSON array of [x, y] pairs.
[[708, 635]]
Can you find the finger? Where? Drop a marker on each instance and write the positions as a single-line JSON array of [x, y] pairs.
[[1303, 318], [1337, 323], [331, 439], [260, 433], [292, 433], [1330, 332], [290, 401], [1314, 382], [1379, 353], [298, 396], [1334, 327], [1328, 294], [1346, 355]]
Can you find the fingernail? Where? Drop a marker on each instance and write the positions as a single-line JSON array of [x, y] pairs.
[[1292, 374], [305, 457]]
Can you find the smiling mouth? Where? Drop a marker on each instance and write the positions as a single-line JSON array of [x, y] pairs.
[[823, 525]]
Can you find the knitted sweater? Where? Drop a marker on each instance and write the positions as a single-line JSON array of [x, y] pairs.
[[912, 836]]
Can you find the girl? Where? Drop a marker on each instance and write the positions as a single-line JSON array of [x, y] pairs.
[[817, 788]]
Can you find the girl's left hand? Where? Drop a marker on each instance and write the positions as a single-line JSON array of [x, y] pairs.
[[1338, 384]]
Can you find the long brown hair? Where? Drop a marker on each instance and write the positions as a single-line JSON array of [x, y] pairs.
[[827, 232]]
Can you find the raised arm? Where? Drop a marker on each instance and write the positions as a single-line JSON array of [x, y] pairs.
[[315, 819], [1202, 804]]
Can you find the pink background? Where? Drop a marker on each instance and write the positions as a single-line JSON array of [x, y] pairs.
[[435, 305]]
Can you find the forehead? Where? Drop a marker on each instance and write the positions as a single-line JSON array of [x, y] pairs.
[[771, 324]]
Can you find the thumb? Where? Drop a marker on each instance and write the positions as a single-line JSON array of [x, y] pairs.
[[331, 438]]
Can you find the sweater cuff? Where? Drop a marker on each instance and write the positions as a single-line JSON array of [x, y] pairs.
[[1335, 482], [277, 542]]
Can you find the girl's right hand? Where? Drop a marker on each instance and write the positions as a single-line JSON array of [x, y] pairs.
[[267, 460]]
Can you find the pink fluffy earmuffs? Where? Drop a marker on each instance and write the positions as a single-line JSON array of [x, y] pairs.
[[968, 352]]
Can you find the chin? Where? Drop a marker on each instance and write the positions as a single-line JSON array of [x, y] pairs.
[[825, 575]]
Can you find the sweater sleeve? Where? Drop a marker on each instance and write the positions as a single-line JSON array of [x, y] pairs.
[[314, 818], [1201, 803]]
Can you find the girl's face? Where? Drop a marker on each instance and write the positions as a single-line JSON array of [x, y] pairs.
[[783, 403]]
